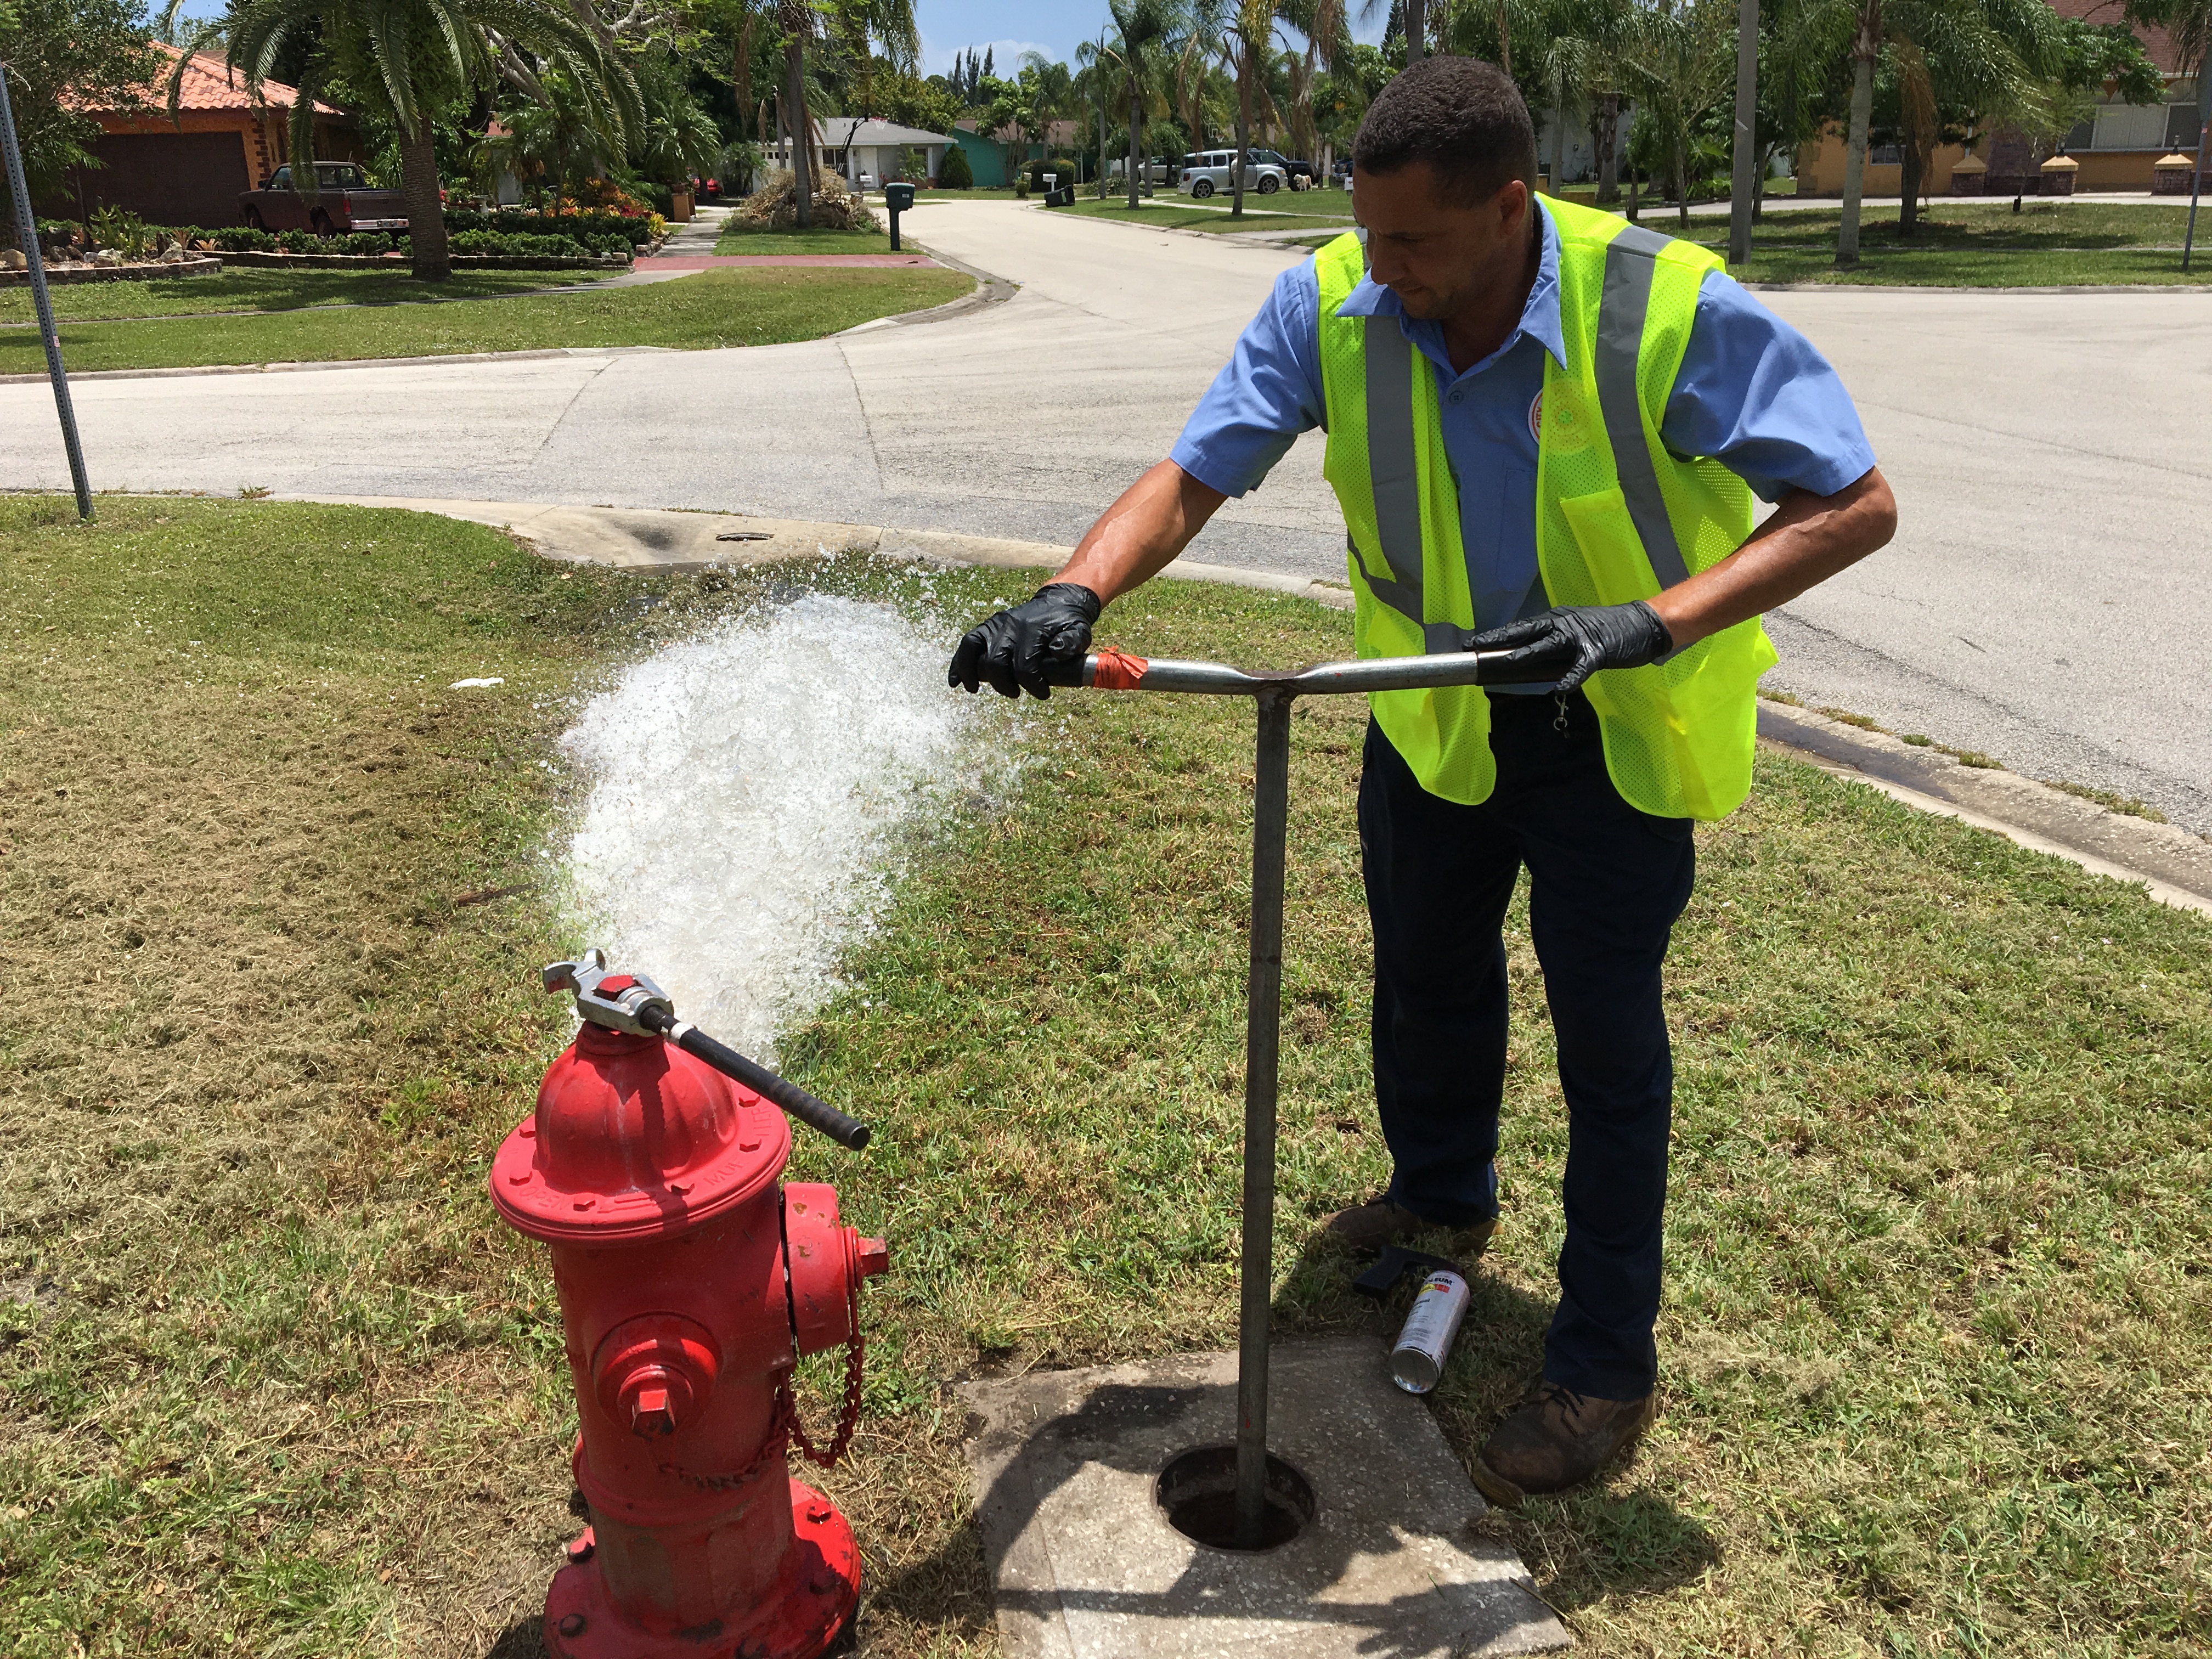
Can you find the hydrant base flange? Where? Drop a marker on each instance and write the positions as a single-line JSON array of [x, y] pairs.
[[815, 1594]]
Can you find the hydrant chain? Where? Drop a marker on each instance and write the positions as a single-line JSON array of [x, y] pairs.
[[847, 1420]]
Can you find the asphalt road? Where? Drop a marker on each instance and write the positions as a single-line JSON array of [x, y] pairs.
[[2046, 601]]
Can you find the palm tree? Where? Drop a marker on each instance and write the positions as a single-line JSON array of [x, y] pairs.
[[1144, 30], [411, 57], [1682, 71], [1246, 46], [1988, 52]]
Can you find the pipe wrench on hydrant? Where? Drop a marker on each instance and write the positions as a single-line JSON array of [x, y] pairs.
[[691, 1282]]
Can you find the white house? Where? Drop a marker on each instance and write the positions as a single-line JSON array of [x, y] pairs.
[[856, 144]]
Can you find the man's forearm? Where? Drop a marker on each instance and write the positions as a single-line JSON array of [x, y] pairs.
[[1137, 537], [1808, 539]]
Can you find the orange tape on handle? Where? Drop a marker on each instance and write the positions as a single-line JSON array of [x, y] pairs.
[[1117, 671]]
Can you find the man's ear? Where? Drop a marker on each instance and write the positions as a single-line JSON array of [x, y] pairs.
[[1511, 205]]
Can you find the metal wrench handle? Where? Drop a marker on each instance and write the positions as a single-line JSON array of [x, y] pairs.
[[1117, 671]]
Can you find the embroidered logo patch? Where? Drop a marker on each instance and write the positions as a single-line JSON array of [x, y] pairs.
[[1536, 418]]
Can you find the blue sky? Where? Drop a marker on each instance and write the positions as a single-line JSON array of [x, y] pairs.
[[1010, 27]]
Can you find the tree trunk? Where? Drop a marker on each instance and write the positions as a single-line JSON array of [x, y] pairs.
[[1243, 132], [1683, 179], [1635, 195], [1504, 43], [426, 215], [1559, 137], [1608, 148], [1102, 141], [794, 109], [1908, 180], [1855, 149], [1416, 32], [1744, 160], [1136, 114]]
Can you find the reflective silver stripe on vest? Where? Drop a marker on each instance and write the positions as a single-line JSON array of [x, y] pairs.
[[1626, 299], [1394, 472]]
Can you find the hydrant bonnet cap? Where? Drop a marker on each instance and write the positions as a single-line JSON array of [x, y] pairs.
[[633, 1138]]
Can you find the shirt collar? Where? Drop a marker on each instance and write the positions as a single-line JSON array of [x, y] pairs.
[[1539, 318]]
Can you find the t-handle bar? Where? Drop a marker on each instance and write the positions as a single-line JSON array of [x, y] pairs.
[[1273, 690], [1117, 671]]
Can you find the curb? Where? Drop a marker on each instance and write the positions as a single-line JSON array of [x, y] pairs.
[[2174, 866], [338, 363]]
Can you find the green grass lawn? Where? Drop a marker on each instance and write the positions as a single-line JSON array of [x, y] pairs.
[[723, 308], [274, 1380], [739, 238], [272, 289], [1968, 244], [1181, 215]]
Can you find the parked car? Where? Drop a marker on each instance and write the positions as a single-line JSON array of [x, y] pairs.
[[346, 202], [1299, 173], [1205, 171], [1156, 170]]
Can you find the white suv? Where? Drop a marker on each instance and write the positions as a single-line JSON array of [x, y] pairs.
[[1208, 171]]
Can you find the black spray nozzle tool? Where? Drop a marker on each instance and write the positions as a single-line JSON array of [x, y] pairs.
[[1379, 1280], [632, 1003]]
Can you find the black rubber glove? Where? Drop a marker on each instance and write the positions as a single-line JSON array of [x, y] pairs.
[[1576, 641], [1012, 651]]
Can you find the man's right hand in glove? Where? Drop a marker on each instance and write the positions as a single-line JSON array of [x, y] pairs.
[[1016, 650]]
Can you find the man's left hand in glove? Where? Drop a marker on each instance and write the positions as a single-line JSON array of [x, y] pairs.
[[1575, 641]]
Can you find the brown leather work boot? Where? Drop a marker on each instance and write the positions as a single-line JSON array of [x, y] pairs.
[[1378, 1222], [1557, 1439]]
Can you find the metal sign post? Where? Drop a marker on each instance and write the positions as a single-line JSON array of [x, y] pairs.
[[26, 231]]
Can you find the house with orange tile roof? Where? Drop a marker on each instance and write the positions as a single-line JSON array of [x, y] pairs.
[[2118, 146], [190, 171]]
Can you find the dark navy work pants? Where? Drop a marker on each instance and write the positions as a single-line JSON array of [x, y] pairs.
[[1606, 883]]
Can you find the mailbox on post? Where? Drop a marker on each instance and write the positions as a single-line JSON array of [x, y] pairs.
[[899, 196]]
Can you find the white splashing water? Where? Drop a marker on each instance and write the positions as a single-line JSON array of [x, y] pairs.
[[747, 788]]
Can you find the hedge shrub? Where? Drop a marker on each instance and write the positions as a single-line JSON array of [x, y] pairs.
[[953, 173], [621, 228]]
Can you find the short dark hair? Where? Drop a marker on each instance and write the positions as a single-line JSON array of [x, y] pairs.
[[1464, 117]]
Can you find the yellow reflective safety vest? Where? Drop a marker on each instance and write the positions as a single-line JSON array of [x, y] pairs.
[[1617, 517]]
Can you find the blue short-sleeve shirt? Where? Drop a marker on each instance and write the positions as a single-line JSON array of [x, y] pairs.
[[1752, 394]]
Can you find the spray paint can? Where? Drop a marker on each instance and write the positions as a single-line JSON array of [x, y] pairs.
[[1418, 1360]]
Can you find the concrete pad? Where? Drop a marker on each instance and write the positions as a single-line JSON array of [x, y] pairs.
[[1085, 1566]]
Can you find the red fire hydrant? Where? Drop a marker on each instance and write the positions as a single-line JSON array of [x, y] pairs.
[[689, 1283]]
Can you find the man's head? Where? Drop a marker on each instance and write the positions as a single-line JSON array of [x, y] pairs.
[[1442, 172]]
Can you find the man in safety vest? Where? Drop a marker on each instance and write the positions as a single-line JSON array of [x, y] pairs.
[[1545, 426]]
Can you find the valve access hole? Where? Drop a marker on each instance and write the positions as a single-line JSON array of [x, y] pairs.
[[1197, 1493]]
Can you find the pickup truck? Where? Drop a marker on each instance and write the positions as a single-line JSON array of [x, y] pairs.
[[345, 201]]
